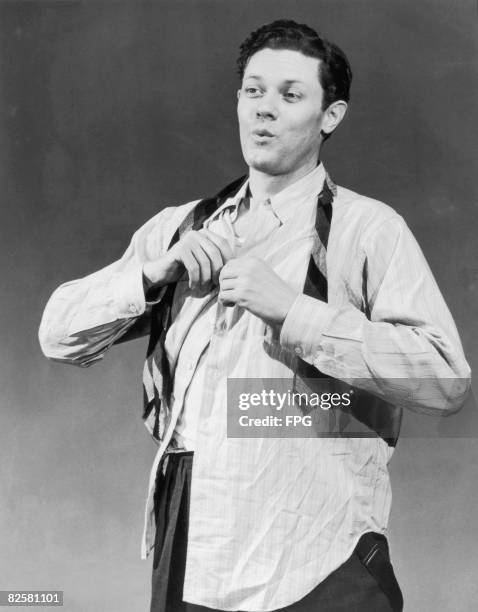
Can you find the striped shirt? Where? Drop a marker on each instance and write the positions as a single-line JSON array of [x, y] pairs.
[[271, 518]]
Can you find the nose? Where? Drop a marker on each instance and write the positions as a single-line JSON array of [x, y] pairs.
[[266, 107]]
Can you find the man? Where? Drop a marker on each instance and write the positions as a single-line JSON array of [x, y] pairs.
[[284, 275]]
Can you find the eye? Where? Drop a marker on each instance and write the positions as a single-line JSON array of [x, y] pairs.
[[292, 96], [252, 92]]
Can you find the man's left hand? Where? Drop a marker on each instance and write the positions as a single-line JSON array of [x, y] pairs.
[[252, 284]]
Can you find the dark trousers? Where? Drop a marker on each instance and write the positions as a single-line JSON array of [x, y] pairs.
[[364, 583]]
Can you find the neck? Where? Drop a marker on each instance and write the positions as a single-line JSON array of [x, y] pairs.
[[266, 185]]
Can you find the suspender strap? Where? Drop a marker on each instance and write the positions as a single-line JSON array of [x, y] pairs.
[[372, 550]]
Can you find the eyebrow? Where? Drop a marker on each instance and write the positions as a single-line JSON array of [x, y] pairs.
[[258, 77]]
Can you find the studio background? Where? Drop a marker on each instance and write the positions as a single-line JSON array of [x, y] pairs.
[[111, 111]]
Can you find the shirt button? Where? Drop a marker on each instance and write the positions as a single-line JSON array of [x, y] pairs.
[[132, 308], [221, 327], [298, 350], [190, 365]]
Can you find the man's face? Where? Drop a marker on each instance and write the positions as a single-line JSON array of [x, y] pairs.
[[279, 110]]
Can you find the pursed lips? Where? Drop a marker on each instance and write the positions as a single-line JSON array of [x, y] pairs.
[[262, 134]]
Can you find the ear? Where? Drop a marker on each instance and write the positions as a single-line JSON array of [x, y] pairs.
[[333, 115]]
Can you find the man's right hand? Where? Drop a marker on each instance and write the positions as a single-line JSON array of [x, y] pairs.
[[202, 254]]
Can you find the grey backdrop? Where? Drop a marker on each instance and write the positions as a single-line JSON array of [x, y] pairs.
[[111, 111]]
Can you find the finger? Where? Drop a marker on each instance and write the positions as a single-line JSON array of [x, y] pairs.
[[204, 264], [230, 270], [227, 298], [197, 242], [221, 243], [214, 255], [228, 284], [192, 267]]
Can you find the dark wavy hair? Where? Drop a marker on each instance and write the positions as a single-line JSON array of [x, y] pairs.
[[335, 74]]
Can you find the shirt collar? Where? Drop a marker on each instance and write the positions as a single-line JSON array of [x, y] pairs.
[[284, 203], [231, 203]]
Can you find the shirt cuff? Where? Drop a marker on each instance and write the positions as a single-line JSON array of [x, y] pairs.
[[304, 326], [129, 293], [153, 295]]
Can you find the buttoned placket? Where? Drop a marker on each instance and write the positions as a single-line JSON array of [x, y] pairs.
[[262, 222]]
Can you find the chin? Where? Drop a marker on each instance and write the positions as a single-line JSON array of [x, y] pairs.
[[265, 164]]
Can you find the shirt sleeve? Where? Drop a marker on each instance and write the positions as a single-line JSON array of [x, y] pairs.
[[84, 317], [405, 346]]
